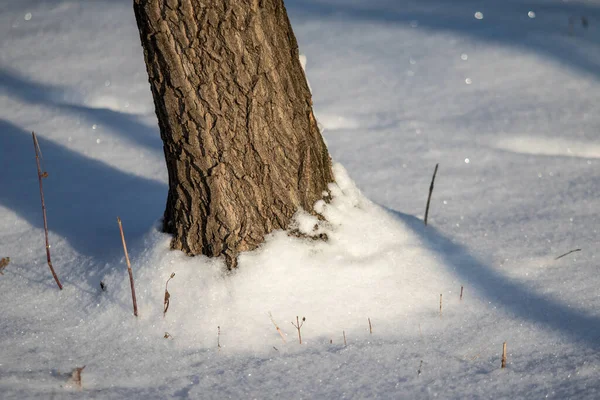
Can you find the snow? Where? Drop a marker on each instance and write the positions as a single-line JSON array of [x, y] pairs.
[[505, 103]]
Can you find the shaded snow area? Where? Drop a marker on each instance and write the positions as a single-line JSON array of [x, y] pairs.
[[504, 95]]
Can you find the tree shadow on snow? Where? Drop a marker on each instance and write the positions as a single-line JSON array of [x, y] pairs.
[[83, 196], [514, 297], [504, 23], [124, 125]]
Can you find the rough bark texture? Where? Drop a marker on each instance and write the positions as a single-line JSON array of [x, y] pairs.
[[242, 146]]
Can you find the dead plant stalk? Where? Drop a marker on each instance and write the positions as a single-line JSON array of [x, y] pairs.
[[167, 300], [277, 327], [219, 338], [430, 192], [41, 176], [133, 298], [298, 325]]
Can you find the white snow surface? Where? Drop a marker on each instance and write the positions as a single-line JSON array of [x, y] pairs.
[[503, 95]]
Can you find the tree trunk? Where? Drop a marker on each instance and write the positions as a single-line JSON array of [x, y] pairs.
[[241, 143]]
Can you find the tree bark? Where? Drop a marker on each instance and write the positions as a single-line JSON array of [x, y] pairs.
[[241, 143]]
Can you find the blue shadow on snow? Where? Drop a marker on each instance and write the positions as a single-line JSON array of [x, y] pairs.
[[514, 297], [122, 124], [83, 196]]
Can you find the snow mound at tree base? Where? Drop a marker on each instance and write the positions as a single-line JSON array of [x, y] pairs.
[[369, 267]]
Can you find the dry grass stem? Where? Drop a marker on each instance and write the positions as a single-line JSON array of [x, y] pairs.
[[277, 327], [430, 192], [133, 298], [566, 254], [440, 305], [167, 300], [370, 326], [504, 355], [168, 336], [298, 325], [461, 292], [344, 333], [219, 338], [41, 176]]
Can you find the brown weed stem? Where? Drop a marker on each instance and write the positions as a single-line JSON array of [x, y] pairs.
[[41, 176], [135, 312]]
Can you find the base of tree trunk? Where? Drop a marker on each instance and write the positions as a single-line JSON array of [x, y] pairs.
[[241, 143]]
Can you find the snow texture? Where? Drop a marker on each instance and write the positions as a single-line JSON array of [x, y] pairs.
[[502, 94]]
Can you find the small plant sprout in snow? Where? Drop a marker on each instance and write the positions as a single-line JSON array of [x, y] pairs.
[[298, 325], [167, 300], [168, 336]]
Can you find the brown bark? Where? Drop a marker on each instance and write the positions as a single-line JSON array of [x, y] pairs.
[[241, 143]]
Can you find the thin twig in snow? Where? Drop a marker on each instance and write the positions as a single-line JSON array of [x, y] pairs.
[[298, 325], [167, 300], [219, 338], [277, 327], [41, 176], [430, 192], [567, 253], [135, 312]]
